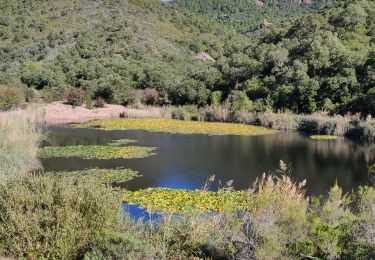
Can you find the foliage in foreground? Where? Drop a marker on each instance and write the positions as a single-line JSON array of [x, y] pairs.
[[49, 217], [96, 152], [177, 127], [75, 218], [281, 222]]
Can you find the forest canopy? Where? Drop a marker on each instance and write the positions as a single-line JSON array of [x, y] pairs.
[[319, 60]]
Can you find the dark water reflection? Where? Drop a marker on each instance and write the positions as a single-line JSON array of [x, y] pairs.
[[186, 161]]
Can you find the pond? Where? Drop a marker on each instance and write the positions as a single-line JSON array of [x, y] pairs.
[[186, 161]]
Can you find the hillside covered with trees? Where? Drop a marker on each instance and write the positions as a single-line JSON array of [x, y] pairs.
[[248, 15], [319, 61]]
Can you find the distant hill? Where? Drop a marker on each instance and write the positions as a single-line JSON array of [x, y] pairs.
[[247, 15], [319, 60], [118, 45]]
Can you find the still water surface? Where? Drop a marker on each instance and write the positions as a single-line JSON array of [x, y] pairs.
[[186, 161]]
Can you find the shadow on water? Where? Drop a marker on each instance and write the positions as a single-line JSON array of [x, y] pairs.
[[186, 161]]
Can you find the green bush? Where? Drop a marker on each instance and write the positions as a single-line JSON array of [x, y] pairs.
[[216, 97], [239, 103], [10, 97], [54, 94], [51, 218], [30, 95], [89, 103], [180, 113], [134, 98]]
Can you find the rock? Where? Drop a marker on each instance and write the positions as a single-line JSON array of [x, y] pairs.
[[204, 56]]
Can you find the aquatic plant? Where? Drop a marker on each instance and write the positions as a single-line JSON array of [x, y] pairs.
[[103, 175], [323, 137], [96, 152], [121, 142], [177, 126], [187, 202]]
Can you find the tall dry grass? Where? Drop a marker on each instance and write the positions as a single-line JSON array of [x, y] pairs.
[[19, 140], [147, 112]]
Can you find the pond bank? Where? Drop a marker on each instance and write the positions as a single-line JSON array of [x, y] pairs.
[[319, 124]]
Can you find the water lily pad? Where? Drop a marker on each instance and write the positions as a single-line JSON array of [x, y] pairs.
[[121, 142], [187, 202], [104, 175], [323, 137], [177, 127], [96, 152]]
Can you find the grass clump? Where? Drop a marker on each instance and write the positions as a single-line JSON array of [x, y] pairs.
[[323, 137], [96, 152], [187, 202], [106, 176], [178, 127]]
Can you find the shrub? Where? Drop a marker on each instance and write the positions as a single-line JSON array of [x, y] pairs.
[[280, 121], [151, 96], [30, 94], [10, 97], [99, 102], [134, 98], [54, 94], [360, 240], [76, 97], [216, 97], [328, 225], [238, 104], [180, 113], [51, 218], [89, 104], [105, 93], [368, 130], [278, 216]]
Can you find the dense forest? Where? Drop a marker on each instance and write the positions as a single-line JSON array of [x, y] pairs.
[[319, 61], [246, 16]]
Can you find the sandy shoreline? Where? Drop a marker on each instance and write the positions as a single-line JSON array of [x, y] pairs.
[[58, 113]]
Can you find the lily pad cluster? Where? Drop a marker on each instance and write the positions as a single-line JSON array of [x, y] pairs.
[[107, 176], [121, 142], [188, 202], [177, 126], [323, 137], [96, 152]]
